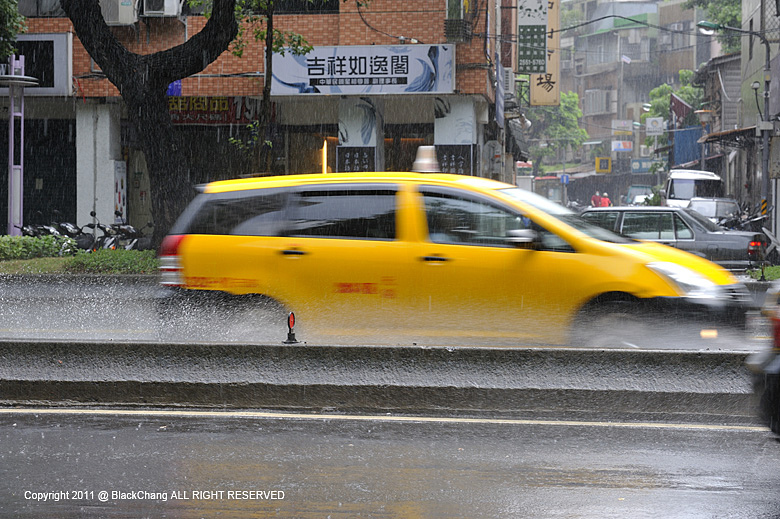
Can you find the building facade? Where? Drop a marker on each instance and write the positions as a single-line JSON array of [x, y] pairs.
[[382, 80]]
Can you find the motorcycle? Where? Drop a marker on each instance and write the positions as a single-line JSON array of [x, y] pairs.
[[745, 220], [84, 240], [105, 241], [129, 237]]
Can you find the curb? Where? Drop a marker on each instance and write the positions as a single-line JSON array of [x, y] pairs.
[[397, 378]]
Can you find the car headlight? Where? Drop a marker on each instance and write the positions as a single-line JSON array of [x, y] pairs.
[[690, 283]]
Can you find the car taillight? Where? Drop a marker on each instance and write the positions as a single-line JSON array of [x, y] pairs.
[[754, 249], [170, 261]]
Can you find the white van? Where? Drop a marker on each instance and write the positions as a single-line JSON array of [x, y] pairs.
[[684, 184]]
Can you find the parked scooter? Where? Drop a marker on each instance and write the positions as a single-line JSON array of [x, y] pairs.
[[105, 241], [39, 229], [84, 240], [745, 220], [128, 237]]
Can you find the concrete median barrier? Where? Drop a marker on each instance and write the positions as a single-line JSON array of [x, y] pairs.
[[401, 379]]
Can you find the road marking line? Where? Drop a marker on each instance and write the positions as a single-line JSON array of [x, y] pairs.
[[380, 418]]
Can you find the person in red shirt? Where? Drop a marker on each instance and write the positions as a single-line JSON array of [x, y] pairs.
[[595, 200], [605, 201]]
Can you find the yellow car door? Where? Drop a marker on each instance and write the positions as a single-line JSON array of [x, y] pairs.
[[341, 262], [469, 280]]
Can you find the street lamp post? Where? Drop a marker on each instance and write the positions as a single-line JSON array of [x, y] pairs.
[[15, 80], [765, 126]]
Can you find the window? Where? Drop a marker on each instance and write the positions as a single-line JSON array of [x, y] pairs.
[[458, 219], [649, 226], [355, 212], [683, 231], [243, 214], [605, 219], [465, 221], [41, 8]]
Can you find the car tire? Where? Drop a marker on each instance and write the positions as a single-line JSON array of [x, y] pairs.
[[610, 324]]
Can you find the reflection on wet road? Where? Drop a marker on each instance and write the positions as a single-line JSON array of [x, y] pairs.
[[221, 464]]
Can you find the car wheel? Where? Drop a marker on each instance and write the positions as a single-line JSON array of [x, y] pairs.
[[613, 324]]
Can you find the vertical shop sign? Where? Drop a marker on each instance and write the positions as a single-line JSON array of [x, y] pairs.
[[456, 158], [532, 36], [545, 88]]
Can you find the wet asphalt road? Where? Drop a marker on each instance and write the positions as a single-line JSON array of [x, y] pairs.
[[176, 464]]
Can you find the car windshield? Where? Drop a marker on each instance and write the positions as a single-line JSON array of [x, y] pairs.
[[689, 188], [565, 215], [703, 220], [714, 208]]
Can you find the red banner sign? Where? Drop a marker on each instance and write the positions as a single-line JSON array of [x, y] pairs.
[[213, 110]]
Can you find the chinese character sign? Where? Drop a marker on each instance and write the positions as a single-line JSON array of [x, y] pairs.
[[456, 158], [366, 69], [203, 110], [545, 88], [532, 36], [355, 158]]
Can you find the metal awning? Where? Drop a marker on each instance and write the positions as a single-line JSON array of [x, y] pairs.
[[737, 138]]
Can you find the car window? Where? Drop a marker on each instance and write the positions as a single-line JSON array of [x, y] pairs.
[[564, 215], [666, 226], [681, 188], [702, 220], [245, 213], [648, 226], [684, 232], [465, 220], [605, 219], [354, 212], [468, 221]]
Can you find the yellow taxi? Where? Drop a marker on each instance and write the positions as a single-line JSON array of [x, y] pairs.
[[438, 258]]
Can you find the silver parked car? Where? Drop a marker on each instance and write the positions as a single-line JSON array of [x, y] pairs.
[[684, 229], [716, 209]]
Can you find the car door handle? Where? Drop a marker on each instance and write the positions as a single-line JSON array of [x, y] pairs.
[[293, 252], [439, 259]]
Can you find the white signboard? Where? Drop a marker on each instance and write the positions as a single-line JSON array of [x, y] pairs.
[[532, 36], [654, 126], [366, 69]]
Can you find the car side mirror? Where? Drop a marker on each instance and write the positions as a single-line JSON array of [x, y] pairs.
[[523, 238]]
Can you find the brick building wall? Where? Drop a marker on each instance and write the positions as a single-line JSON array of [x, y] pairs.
[[419, 19]]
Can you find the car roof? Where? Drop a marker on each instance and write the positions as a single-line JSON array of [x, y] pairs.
[[693, 174], [337, 178], [713, 199]]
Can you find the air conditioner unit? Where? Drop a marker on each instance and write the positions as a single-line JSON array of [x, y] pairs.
[[676, 26], [119, 12], [162, 8], [509, 82], [665, 39]]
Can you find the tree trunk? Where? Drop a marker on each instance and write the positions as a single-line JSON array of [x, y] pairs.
[[142, 81], [266, 123]]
